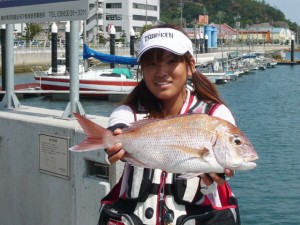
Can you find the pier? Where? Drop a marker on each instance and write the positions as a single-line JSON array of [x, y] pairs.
[[33, 89], [42, 182]]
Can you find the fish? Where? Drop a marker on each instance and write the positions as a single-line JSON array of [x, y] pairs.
[[187, 144]]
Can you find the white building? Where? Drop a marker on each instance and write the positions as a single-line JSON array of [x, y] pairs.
[[128, 14], [123, 14]]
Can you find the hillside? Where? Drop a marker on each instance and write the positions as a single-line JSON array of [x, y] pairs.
[[223, 11]]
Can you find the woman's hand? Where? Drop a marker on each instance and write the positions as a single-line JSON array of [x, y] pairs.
[[209, 178], [115, 152]]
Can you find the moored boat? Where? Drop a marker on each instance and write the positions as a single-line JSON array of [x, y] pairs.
[[217, 77], [97, 78]]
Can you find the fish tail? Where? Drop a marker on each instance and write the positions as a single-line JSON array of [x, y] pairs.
[[95, 135]]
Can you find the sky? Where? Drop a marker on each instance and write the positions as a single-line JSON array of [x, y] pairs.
[[288, 7]]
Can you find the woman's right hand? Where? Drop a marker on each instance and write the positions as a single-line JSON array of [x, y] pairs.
[[115, 152]]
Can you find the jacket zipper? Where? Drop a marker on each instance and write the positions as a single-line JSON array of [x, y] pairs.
[[161, 199]]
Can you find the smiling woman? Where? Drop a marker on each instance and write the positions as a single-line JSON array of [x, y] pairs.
[[153, 196]]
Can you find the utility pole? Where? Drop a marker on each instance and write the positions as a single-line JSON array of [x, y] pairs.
[[181, 9], [97, 18], [238, 17], [220, 15], [146, 12]]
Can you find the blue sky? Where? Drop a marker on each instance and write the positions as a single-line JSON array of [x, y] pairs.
[[288, 7]]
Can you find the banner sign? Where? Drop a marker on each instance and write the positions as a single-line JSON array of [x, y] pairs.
[[35, 11]]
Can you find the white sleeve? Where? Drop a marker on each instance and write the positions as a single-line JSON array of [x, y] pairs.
[[122, 114], [224, 113]]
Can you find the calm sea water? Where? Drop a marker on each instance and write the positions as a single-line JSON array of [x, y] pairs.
[[266, 106]]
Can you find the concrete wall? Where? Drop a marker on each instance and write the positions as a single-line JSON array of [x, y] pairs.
[[29, 196], [26, 58]]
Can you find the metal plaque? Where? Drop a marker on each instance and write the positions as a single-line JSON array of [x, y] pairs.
[[54, 155], [34, 11]]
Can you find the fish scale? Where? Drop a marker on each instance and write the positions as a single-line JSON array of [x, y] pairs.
[[161, 149]]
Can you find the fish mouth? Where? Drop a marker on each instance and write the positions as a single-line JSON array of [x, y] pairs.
[[251, 158], [248, 162], [249, 166]]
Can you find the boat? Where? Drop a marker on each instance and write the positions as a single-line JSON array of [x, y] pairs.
[[213, 71], [96, 78], [217, 77]]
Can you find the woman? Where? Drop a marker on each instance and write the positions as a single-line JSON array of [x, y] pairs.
[[145, 196]]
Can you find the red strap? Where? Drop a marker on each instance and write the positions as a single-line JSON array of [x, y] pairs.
[[114, 194], [189, 104], [213, 109]]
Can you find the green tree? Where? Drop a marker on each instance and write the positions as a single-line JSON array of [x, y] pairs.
[[251, 12], [31, 30], [123, 37]]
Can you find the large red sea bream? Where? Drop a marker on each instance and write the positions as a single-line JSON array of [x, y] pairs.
[[188, 144]]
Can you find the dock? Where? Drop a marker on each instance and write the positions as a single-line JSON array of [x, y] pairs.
[[288, 63], [33, 89]]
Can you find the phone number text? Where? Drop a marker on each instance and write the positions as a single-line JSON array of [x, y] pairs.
[[68, 13]]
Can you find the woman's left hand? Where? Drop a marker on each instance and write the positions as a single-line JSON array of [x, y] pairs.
[[209, 178]]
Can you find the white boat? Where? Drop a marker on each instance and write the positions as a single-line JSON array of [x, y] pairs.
[[120, 79], [95, 79], [233, 75], [217, 77], [212, 71]]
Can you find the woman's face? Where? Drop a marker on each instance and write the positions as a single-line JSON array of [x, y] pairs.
[[165, 75]]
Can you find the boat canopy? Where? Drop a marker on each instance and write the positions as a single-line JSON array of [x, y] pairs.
[[107, 58], [125, 71]]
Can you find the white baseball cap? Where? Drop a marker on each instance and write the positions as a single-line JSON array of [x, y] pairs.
[[165, 38]]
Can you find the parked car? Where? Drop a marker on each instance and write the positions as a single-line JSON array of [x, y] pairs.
[[34, 43], [19, 44], [119, 44]]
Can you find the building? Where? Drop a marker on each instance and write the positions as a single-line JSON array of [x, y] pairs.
[[93, 25], [125, 15]]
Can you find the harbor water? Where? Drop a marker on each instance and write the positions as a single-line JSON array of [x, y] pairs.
[[266, 105]]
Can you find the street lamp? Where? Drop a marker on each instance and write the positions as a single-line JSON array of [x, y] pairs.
[[248, 36], [197, 45]]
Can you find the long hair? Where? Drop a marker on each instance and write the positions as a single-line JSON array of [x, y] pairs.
[[141, 99]]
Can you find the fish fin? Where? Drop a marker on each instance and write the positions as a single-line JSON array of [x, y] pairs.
[[140, 123], [137, 124], [134, 162], [188, 175], [86, 145], [192, 151], [94, 135]]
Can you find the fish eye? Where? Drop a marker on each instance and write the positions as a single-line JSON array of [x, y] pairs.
[[237, 140]]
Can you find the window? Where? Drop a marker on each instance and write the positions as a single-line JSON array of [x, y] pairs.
[[144, 6], [144, 18], [91, 6], [113, 5], [118, 28], [113, 17]]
